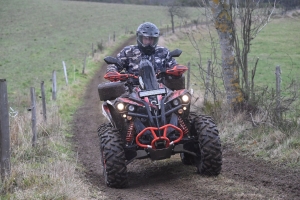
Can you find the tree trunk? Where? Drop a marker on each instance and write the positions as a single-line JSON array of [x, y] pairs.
[[224, 25]]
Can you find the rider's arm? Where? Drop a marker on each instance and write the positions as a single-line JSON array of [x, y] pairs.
[[170, 62], [111, 68]]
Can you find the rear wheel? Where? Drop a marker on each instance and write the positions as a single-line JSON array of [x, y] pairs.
[[209, 153], [112, 157]]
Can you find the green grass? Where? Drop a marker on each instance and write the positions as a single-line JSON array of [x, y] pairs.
[[36, 36], [277, 45]]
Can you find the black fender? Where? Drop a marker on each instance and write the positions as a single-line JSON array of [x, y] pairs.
[[113, 116], [106, 112]]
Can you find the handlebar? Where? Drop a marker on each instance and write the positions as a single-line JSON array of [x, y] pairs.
[[116, 76], [177, 70]]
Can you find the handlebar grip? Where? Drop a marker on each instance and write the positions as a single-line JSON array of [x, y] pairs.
[[116, 76], [177, 70]]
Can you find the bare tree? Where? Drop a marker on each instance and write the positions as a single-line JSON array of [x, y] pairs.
[[237, 24], [249, 19], [213, 70], [240, 22], [176, 9]]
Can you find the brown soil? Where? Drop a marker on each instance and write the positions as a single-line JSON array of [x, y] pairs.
[[241, 177]]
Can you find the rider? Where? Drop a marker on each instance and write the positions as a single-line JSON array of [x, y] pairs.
[[147, 38]]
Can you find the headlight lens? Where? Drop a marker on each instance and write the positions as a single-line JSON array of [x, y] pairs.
[[185, 98], [120, 106], [176, 102], [131, 108]]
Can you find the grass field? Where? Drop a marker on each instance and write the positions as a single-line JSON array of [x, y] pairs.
[[278, 45], [36, 36]]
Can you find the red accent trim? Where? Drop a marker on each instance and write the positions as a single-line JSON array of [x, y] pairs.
[[105, 107], [176, 94], [146, 99], [159, 97], [128, 101], [164, 137], [177, 70]]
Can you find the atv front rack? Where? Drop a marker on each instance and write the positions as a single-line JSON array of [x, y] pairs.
[[162, 138]]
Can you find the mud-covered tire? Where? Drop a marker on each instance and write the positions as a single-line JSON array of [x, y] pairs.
[[102, 128], [110, 90], [209, 155], [175, 83], [112, 157]]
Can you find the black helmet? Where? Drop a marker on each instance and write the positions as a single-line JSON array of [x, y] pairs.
[[147, 29]]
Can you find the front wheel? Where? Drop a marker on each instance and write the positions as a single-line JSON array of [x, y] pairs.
[[112, 157], [209, 153]]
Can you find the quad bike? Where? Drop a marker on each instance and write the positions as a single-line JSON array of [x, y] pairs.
[[149, 117]]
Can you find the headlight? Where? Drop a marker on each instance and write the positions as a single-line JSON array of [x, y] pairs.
[[185, 98], [120, 106], [131, 108], [176, 102]]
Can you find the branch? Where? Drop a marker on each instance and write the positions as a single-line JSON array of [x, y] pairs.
[[268, 20]]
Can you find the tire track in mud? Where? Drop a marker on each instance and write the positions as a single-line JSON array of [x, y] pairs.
[[241, 177]]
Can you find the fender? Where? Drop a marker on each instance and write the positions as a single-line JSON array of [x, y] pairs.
[[107, 114]]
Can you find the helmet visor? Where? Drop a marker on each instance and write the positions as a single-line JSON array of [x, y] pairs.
[[148, 40]]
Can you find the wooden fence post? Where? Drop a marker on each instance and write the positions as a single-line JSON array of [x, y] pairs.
[[44, 101], [92, 50], [84, 64], [278, 91], [54, 88], [188, 76], [65, 71], [33, 115], [4, 131], [207, 82]]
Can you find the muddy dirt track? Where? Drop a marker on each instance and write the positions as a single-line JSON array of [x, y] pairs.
[[241, 177]]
